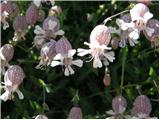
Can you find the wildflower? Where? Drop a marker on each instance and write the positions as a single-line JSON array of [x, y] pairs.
[[6, 54], [32, 14], [99, 40], [12, 79], [64, 56], [75, 113], [140, 14], [154, 24], [146, 2], [20, 27], [142, 107], [48, 52], [8, 9], [38, 2], [41, 116], [55, 10], [119, 105], [50, 30]]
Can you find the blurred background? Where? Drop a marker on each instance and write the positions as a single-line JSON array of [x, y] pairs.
[[77, 20]]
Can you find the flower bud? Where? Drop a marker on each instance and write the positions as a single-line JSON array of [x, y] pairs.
[[41, 116], [142, 107], [15, 10], [63, 46], [14, 75], [75, 113], [115, 43], [107, 80], [32, 14], [20, 24], [6, 52], [55, 10], [119, 104], [101, 35], [153, 24], [51, 23], [41, 15]]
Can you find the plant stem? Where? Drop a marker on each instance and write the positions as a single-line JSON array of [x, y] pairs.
[[109, 18], [124, 52]]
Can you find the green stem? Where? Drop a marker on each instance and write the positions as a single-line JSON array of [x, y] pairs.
[[124, 53]]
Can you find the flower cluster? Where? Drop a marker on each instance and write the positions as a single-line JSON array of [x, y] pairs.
[[141, 108]]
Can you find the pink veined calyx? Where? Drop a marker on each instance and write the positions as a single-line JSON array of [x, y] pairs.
[[98, 47]]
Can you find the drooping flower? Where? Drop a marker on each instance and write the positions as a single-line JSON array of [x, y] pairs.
[[48, 52], [119, 105], [98, 46], [141, 107], [20, 27], [41, 116], [8, 9], [146, 2], [32, 14], [140, 15], [38, 2], [75, 113], [6, 54], [13, 78], [154, 24], [123, 34], [51, 28], [55, 10], [65, 55]]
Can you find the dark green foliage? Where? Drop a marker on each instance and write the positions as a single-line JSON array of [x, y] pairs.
[[140, 71]]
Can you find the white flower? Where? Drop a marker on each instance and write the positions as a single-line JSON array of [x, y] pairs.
[[97, 51], [38, 2], [67, 61], [9, 90]]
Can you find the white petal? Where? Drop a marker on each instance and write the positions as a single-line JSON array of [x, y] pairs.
[[70, 70], [134, 14], [147, 16], [110, 112], [58, 57], [66, 72], [71, 53], [134, 34], [5, 96], [114, 30], [106, 63], [52, 2], [38, 30], [52, 24], [78, 63], [110, 56], [82, 52], [55, 63], [5, 25], [60, 32], [132, 42], [123, 25], [122, 43], [149, 31], [97, 63], [20, 95], [37, 2]]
